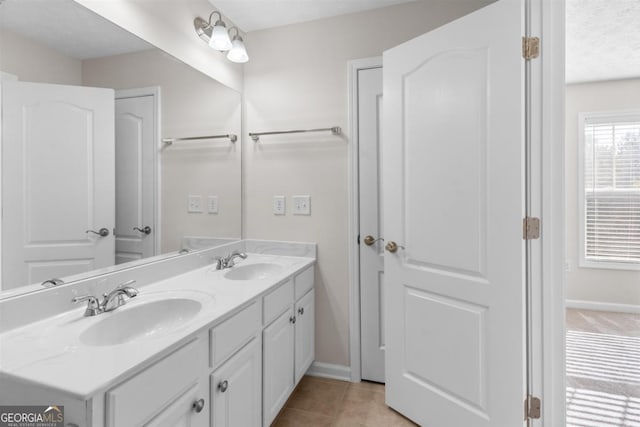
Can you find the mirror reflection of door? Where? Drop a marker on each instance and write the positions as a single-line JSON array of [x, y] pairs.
[[57, 181], [136, 170]]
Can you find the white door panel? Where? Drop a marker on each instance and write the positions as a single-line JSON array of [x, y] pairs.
[[135, 177], [370, 200], [57, 180], [453, 185]]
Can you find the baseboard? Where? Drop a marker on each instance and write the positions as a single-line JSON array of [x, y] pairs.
[[603, 306], [329, 370]]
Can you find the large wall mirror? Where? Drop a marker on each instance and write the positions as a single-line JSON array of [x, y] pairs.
[[113, 152]]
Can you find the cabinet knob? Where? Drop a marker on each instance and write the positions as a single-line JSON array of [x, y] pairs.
[[301, 311], [198, 405], [292, 319], [223, 386]]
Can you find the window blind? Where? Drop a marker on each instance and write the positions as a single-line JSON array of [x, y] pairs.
[[612, 189]]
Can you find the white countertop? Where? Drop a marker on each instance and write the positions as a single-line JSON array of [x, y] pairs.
[[50, 352]]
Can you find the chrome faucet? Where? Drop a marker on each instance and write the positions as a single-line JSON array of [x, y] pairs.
[[115, 298], [229, 260], [110, 301]]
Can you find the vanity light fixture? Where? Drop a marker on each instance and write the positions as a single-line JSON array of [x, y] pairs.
[[238, 52], [217, 37]]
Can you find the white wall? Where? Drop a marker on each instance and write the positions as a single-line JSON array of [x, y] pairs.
[[42, 64], [297, 78], [591, 284], [192, 104], [168, 25]]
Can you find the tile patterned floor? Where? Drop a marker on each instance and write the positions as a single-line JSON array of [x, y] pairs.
[[320, 402]]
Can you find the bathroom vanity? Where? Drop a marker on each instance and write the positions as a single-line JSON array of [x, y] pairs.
[[206, 347]]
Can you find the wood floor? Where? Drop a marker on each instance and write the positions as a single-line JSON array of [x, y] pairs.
[[319, 402], [603, 369]]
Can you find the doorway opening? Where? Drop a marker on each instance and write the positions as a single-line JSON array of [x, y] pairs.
[[602, 239]]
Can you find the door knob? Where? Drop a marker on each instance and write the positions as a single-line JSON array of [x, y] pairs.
[[223, 386], [103, 232], [393, 247], [198, 405], [146, 230], [301, 311], [370, 240]]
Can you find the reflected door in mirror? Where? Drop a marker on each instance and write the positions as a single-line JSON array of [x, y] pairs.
[[136, 226], [57, 181]]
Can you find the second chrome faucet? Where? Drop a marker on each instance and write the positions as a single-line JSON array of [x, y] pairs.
[[229, 260], [110, 301]]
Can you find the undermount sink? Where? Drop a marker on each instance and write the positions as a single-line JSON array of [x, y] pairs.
[[258, 271], [141, 321]]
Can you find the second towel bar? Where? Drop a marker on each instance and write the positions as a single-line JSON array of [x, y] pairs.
[[336, 130]]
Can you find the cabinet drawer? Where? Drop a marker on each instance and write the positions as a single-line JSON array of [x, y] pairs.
[[304, 282], [137, 400], [233, 333], [278, 301]]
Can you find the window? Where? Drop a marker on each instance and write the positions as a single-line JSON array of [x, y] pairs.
[[609, 193]]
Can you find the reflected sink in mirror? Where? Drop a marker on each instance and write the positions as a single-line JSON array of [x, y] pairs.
[[141, 321], [258, 271]]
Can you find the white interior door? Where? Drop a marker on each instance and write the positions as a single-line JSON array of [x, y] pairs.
[[136, 227], [371, 245], [453, 202], [57, 181]]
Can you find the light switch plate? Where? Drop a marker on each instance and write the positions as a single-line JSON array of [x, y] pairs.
[[194, 204], [279, 205], [301, 205], [212, 204]]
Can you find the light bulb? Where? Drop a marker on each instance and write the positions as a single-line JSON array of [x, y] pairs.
[[238, 52], [220, 37]]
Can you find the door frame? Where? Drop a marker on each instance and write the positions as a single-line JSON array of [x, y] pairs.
[[155, 92], [548, 116], [354, 212]]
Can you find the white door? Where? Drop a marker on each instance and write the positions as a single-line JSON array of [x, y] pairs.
[[371, 244], [453, 203], [136, 228], [57, 181]]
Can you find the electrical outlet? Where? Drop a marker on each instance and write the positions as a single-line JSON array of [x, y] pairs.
[[194, 204], [301, 205], [279, 205], [212, 204]]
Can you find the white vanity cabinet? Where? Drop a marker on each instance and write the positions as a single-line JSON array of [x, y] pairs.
[[236, 369], [288, 341], [235, 389], [171, 392], [236, 382]]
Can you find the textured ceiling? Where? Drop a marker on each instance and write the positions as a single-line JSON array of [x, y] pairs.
[[67, 27], [603, 40], [251, 15]]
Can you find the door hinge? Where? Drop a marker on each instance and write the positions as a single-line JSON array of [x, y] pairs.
[[530, 228], [530, 47], [532, 407]]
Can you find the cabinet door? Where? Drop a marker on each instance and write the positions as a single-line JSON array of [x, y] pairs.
[[188, 410], [235, 389], [278, 364], [304, 336]]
